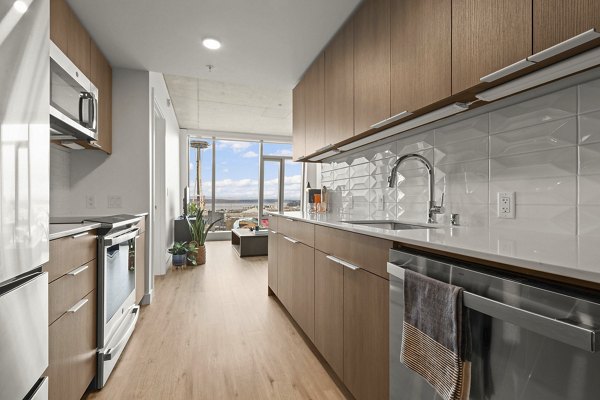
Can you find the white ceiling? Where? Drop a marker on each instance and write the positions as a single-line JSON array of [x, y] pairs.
[[267, 44]]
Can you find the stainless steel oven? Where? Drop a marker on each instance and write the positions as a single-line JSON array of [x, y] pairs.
[[117, 311], [73, 100], [530, 340]]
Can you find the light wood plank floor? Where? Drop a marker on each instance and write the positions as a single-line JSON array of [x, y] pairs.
[[213, 333]]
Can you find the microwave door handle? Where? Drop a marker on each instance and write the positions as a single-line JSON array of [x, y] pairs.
[[81, 96], [94, 119]]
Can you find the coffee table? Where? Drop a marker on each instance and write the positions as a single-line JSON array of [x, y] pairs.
[[247, 243]]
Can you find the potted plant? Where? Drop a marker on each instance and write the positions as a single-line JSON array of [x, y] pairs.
[[181, 252], [199, 229]]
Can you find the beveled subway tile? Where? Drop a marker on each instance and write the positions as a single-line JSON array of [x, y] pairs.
[[557, 105], [327, 176], [473, 215], [415, 143], [412, 194], [472, 149], [389, 195], [589, 190], [589, 96], [412, 212], [388, 212], [360, 183], [541, 164], [326, 166], [361, 195], [383, 166], [589, 159], [463, 130], [361, 170], [412, 177], [547, 191], [379, 181], [342, 173], [411, 163], [539, 218], [357, 158], [464, 182], [589, 128], [341, 184], [380, 152], [552, 135], [589, 220]]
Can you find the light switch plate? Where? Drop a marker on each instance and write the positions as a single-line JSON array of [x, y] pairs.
[[506, 205], [115, 201]]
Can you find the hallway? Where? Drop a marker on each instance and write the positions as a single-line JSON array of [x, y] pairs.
[[213, 333]]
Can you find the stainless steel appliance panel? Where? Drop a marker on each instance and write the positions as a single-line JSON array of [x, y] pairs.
[[511, 360], [119, 276], [24, 137], [23, 334], [40, 392]]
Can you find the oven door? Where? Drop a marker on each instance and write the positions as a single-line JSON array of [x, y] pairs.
[[73, 100], [117, 280]]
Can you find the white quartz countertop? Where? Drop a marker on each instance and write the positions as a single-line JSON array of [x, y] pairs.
[[569, 256], [58, 231]]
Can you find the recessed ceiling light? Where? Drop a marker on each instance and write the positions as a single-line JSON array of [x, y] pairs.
[[211, 43], [20, 6]]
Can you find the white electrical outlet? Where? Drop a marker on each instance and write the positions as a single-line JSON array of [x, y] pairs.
[[115, 201], [506, 205], [90, 201]]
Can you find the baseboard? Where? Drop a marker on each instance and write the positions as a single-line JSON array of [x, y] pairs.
[[147, 299]]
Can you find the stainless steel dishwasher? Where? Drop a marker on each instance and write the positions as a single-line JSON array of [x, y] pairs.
[[530, 340]]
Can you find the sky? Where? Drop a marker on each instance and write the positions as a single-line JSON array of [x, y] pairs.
[[237, 165]]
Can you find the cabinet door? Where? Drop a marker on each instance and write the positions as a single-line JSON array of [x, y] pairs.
[[60, 16], [366, 336], [421, 59], [371, 64], [72, 352], [314, 97], [339, 86], [140, 268], [273, 253], [303, 288], [557, 20], [298, 121], [78, 44], [101, 76], [285, 259], [329, 311], [488, 35]]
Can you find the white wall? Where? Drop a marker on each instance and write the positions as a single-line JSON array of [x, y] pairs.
[[173, 193], [125, 172]]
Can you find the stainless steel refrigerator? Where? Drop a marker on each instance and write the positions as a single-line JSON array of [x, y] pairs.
[[24, 197]]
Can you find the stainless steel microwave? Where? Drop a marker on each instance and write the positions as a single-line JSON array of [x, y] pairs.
[[73, 100]]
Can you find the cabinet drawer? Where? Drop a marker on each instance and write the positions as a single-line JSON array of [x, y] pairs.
[[72, 343], [367, 252], [70, 288], [69, 253], [302, 231], [273, 220]]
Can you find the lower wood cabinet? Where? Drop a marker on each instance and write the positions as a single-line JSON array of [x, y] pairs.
[[72, 346], [338, 296], [366, 335], [329, 311]]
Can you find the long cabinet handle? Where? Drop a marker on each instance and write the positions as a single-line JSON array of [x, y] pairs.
[[571, 333], [273, 232], [568, 44], [344, 263], [501, 73], [290, 240], [79, 235], [79, 270], [391, 119], [77, 306], [291, 220], [327, 147]]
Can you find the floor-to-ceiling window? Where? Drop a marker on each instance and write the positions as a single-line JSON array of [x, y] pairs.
[[232, 179]]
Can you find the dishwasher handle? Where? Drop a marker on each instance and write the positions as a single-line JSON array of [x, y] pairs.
[[574, 334]]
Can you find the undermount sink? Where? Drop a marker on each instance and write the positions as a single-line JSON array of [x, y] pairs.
[[391, 225]]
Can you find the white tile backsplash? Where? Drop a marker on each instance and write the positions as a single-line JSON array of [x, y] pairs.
[[546, 150], [60, 179]]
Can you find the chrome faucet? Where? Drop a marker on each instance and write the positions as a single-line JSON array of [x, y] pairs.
[[432, 208]]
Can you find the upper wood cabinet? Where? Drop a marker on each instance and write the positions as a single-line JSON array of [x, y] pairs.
[[421, 57], [557, 20], [314, 104], [339, 86], [101, 77], [488, 35], [371, 64], [298, 121], [69, 35]]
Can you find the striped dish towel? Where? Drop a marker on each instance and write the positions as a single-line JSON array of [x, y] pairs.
[[435, 335]]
